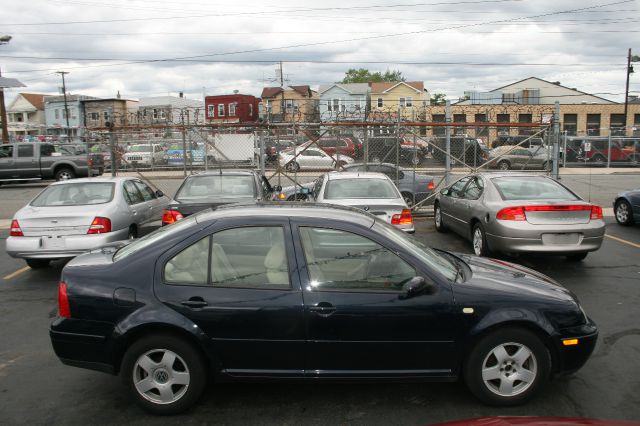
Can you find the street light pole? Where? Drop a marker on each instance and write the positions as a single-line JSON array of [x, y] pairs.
[[3, 111], [626, 90]]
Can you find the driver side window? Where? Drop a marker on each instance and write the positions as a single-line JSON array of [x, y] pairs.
[[456, 189], [342, 261]]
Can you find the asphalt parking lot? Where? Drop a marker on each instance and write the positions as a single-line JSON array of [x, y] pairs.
[[35, 388]]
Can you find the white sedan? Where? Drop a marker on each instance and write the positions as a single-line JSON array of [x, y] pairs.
[[72, 217], [311, 159]]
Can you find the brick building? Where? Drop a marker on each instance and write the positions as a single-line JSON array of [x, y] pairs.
[[235, 108]]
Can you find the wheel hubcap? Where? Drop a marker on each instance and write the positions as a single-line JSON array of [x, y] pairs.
[[509, 369], [161, 376], [622, 213], [477, 242]]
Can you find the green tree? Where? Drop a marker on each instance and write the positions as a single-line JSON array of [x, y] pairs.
[[363, 75], [438, 99]]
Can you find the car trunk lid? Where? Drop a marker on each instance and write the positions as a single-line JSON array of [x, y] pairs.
[[67, 220]]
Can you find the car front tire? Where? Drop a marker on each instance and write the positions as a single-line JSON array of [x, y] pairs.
[[507, 367], [623, 213], [438, 220], [165, 374], [504, 165], [479, 240]]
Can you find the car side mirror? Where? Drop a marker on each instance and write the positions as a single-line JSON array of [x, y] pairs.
[[444, 191], [159, 193], [416, 286]]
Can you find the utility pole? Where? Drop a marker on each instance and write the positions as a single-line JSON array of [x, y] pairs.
[[630, 58], [282, 106], [66, 107], [3, 116]]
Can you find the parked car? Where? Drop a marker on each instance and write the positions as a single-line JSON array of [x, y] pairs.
[[519, 213], [471, 151], [599, 152], [573, 153], [413, 186], [311, 159], [69, 218], [34, 160], [273, 147], [626, 207], [95, 158], [372, 192], [215, 188], [146, 155], [390, 149], [522, 141], [507, 157], [336, 145], [238, 293]]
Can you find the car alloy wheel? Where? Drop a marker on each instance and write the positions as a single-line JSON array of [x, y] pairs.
[[437, 215], [623, 213], [509, 369], [503, 165], [161, 376]]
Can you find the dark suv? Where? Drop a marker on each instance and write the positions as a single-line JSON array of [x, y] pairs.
[[470, 151]]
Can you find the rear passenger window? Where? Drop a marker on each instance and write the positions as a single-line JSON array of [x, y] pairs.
[[6, 151], [189, 267], [147, 193], [25, 150], [132, 195]]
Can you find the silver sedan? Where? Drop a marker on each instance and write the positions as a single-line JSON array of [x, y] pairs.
[[72, 217], [372, 192], [519, 213]]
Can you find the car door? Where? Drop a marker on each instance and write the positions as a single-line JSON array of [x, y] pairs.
[[137, 206], [358, 322], [26, 165], [239, 285], [452, 205], [472, 203], [6, 161], [153, 204]]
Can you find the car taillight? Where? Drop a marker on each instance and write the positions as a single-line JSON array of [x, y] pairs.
[[519, 212], [430, 186], [403, 218], [171, 216], [273, 150], [511, 213], [63, 301], [15, 229], [100, 225], [90, 162]]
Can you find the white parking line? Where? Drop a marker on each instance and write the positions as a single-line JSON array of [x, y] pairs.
[[622, 241], [16, 273]]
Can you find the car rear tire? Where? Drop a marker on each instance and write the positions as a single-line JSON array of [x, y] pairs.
[[437, 218], [165, 374], [599, 160], [623, 213], [38, 263], [577, 257], [64, 173], [507, 367], [293, 166], [479, 240], [504, 165]]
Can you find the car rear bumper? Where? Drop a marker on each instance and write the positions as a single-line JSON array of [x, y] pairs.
[[573, 357], [74, 245]]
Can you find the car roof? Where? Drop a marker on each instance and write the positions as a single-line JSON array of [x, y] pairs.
[[348, 166], [115, 179], [356, 175], [279, 209], [490, 175], [237, 172]]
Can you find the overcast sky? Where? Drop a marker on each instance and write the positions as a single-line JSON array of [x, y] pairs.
[[131, 45]]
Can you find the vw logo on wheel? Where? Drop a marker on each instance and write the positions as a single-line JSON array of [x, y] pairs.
[[365, 208]]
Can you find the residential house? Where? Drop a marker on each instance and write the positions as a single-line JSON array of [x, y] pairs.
[[170, 110], [97, 112], [234, 108], [409, 98], [291, 104], [345, 102], [532, 100], [56, 114], [25, 115]]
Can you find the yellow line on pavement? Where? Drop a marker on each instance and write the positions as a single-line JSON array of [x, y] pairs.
[[16, 273], [622, 241]]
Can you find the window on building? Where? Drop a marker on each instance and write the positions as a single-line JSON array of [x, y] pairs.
[[268, 105], [64, 114], [210, 111], [509, 98], [617, 125], [525, 118], [481, 130], [357, 104], [440, 130], [503, 118], [459, 118], [105, 115], [220, 110], [232, 108], [403, 102], [57, 114], [334, 105], [289, 105], [636, 125], [163, 114], [155, 114], [409, 101], [570, 124], [593, 124], [380, 103], [94, 116], [251, 109]]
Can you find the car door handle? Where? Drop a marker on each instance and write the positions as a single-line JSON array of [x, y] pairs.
[[194, 303], [324, 309]]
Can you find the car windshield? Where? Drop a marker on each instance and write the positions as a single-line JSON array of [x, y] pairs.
[[360, 188], [531, 188], [153, 237], [75, 194], [140, 148], [429, 256], [213, 187]]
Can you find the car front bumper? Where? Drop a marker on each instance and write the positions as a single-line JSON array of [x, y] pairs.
[[519, 237], [70, 246], [573, 357]]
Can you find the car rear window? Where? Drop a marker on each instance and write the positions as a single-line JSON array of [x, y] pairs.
[[531, 188], [75, 194], [217, 186], [359, 188]]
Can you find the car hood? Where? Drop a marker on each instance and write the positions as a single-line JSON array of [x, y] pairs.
[[506, 277]]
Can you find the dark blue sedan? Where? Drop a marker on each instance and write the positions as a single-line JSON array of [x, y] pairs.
[[310, 292], [626, 207]]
